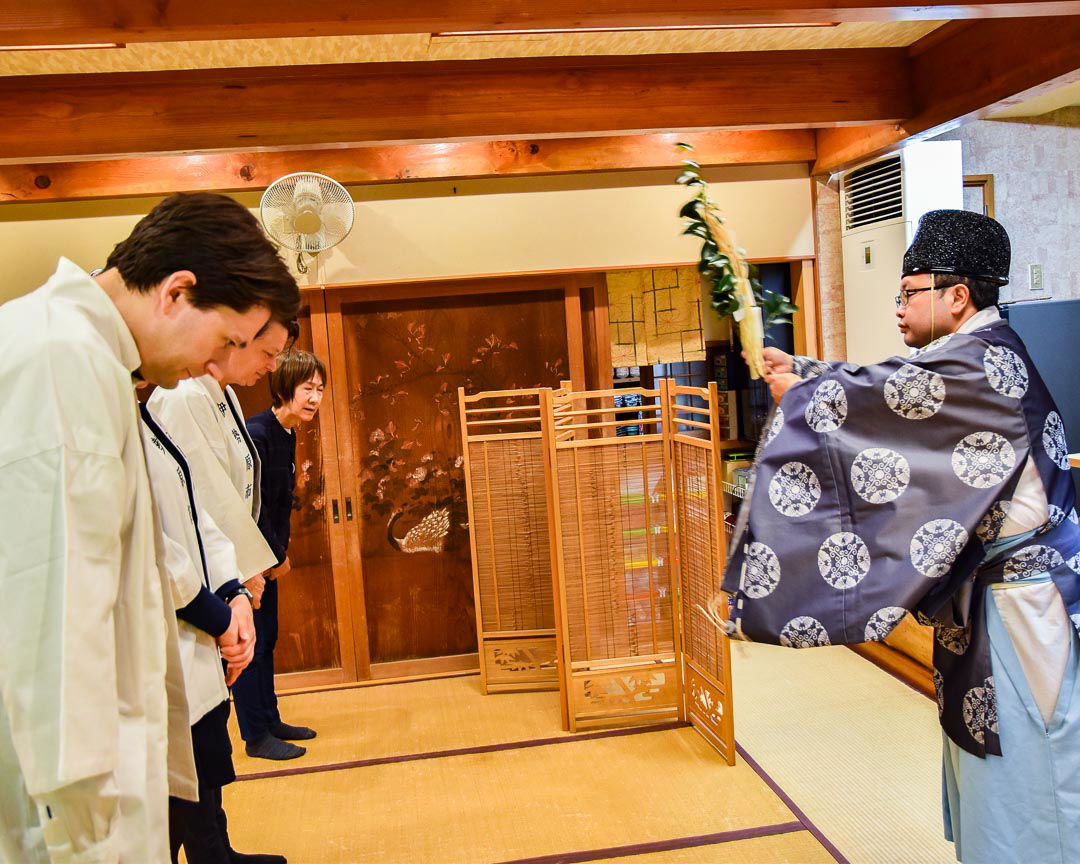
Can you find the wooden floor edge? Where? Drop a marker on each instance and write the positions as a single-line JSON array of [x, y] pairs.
[[378, 682], [899, 665]]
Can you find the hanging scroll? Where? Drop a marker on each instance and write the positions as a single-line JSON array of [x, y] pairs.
[[655, 316]]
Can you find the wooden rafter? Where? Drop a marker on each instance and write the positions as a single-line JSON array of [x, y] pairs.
[[245, 109], [231, 172], [34, 22], [964, 73]]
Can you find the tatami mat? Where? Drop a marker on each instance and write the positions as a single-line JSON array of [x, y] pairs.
[[858, 751], [398, 719], [506, 805]]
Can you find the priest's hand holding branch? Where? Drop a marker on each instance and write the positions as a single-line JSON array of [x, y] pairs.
[[777, 362]]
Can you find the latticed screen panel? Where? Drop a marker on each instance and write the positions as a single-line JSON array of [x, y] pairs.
[[510, 526], [614, 525], [700, 553]]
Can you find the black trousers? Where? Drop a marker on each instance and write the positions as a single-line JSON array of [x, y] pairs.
[[253, 692], [202, 828]]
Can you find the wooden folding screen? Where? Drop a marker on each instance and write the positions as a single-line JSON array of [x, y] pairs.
[[696, 443], [506, 488], [613, 552]]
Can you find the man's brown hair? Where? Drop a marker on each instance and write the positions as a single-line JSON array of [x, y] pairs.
[[218, 240], [293, 369]]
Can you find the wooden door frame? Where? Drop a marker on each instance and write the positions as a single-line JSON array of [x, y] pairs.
[[315, 300], [573, 285]]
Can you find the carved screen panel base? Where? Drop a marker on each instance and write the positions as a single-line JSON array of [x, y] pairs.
[[511, 665], [625, 696]]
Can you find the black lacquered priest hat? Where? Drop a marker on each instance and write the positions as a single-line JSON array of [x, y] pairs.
[[959, 243]]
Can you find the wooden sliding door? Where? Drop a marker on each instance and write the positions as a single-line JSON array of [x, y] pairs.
[[398, 355], [313, 643]]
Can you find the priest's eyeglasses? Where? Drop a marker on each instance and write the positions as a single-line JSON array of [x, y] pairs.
[[904, 297]]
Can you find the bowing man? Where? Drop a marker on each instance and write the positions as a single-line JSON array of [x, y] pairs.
[[94, 730], [204, 417], [214, 613]]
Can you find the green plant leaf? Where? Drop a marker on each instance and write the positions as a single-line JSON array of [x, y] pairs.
[[691, 209], [687, 176], [697, 229], [682, 145], [692, 164]]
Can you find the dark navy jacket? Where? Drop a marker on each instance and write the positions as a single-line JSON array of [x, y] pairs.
[[277, 452]]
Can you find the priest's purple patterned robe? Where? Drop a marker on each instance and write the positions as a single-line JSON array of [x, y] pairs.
[[874, 492]]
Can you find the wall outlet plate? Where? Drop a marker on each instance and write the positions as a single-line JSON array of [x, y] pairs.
[[1035, 274]]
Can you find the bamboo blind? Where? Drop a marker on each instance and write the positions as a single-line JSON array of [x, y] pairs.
[[695, 443], [508, 518], [614, 554]]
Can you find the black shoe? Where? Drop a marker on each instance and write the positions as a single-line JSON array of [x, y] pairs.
[[291, 733], [240, 858], [269, 747]]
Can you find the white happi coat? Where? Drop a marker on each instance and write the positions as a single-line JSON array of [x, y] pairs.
[[93, 719], [194, 550], [206, 424]]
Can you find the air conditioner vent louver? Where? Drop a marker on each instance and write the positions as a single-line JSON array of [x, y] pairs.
[[873, 194]]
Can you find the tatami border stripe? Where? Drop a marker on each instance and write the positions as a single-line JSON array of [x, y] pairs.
[[466, 751], [792, 806], [663, 845]]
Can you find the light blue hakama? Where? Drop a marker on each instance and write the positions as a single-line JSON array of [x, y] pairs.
[[1022, 806]]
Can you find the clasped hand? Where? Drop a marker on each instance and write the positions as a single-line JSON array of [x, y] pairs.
[[237, 643]]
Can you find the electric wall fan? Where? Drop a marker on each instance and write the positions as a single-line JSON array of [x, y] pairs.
[[306, 212]]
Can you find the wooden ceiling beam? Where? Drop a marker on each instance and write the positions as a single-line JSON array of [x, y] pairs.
[[74, 116], [53, 22], [965, 72], [235, 172]]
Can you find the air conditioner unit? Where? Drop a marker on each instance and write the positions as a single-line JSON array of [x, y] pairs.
[[880, 207]]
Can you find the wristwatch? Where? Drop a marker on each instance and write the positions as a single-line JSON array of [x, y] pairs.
[[238, 592]]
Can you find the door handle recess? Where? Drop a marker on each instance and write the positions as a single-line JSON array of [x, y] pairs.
[[334, 511], [348, 509]]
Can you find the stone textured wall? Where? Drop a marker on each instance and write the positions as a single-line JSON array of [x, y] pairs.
[[1036, 166], [830, 269]]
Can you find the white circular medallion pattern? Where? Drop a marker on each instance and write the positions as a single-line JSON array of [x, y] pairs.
[[1032, 561], [880, 475], [774, 427], [980, 710], [990, 525], [914, 393], [939, 693], [804, 632], [983, 459], [827, 408], [1053, 440], [762, 571], [1005, 371], [954, 639], [1075, 618], [794, 490], [1074, 563], [1057, 517], [843, 560], [883, 622], [936, 546]]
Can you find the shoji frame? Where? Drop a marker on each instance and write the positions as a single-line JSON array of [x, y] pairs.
[[506, 482], [620, 681], [696, 448]]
